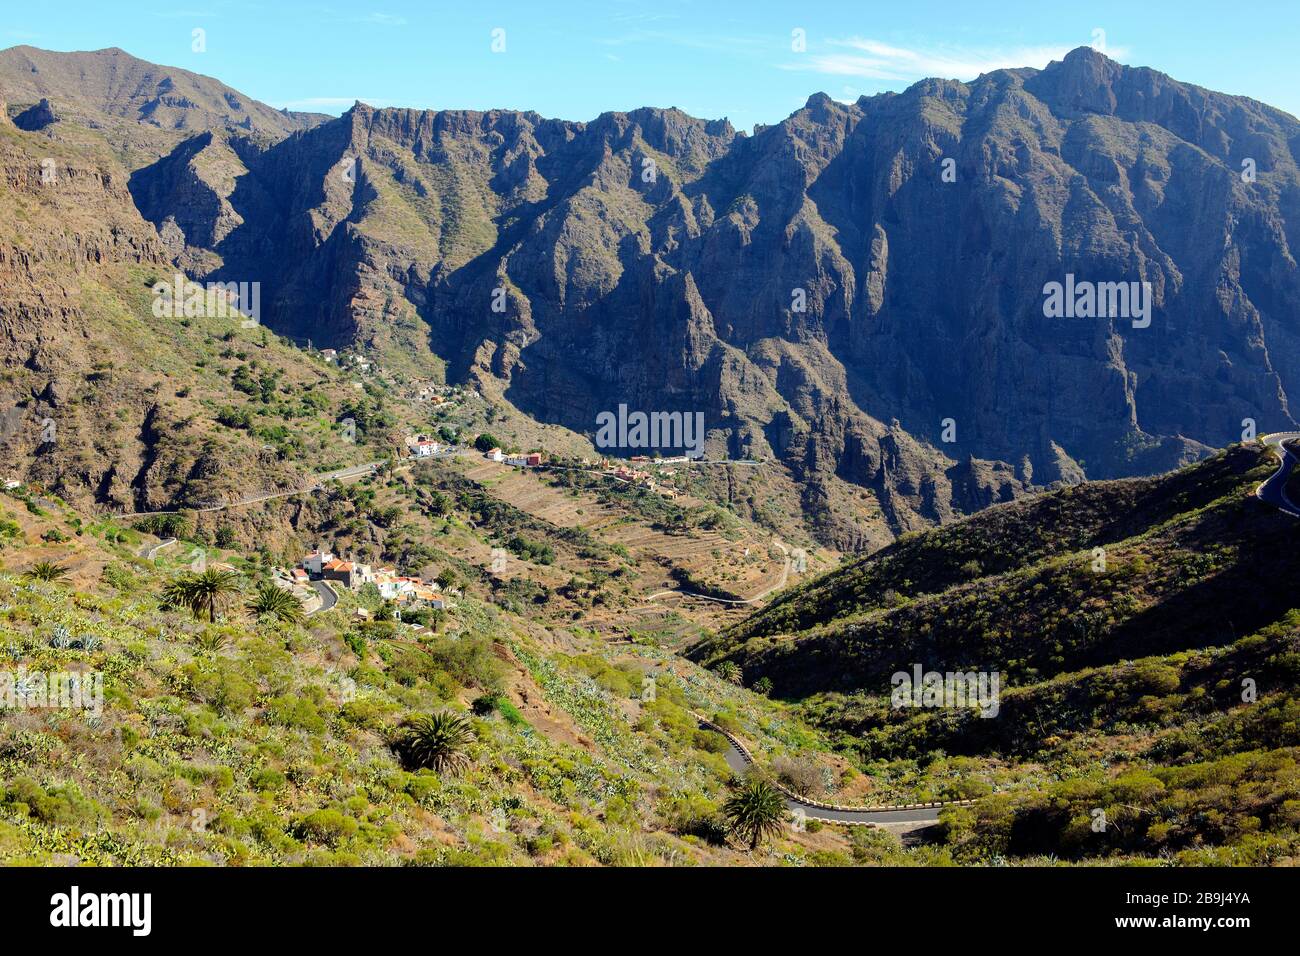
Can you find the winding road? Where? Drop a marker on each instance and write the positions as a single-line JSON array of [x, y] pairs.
[[151, 551], [739, 760], [1273, 491], [328, 597], [318, 482]]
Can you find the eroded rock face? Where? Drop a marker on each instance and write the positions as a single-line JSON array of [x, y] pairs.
[[855, 265], [36, 117]]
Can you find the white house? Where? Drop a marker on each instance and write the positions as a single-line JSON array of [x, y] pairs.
[[315, 562]]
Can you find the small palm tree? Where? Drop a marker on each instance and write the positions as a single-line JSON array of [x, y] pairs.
[[275, 602], [436, 741], [755, 811], [730, 672], [212, 642], [202, 592], [46, 571]]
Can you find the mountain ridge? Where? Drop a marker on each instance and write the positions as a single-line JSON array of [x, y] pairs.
[[688, 244]]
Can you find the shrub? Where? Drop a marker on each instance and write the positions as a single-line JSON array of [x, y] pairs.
[[268, 780], [290, 710], [326, 826]]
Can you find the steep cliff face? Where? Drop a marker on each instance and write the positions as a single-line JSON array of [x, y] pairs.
[[66, 226], [856, 292], [102, 401]]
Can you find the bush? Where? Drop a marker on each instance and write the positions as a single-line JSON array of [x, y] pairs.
[[802, 776], [290, 710], [267, 780], [710, 741], [326, 826]]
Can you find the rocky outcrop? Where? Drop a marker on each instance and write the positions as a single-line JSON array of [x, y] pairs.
[[37, 117]]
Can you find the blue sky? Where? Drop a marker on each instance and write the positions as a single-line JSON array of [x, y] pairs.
[[578, 58]]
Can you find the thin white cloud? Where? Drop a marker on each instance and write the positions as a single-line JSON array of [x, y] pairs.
[[733, 43], [186, 14], [383, 19], [871, 59]]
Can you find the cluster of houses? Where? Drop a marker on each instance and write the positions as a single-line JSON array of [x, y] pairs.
[[636, 472], [633, 472], [431, 393], [346, 360], [531, 460], [403, 589]]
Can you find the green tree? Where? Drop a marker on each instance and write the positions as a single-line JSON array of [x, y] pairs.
[[202, 592], [435, 741], [45, 571], [486, 442], [730, 672], [755, 811], [271, 601]]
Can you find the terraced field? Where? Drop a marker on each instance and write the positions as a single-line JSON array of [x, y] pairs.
[[741, 565]]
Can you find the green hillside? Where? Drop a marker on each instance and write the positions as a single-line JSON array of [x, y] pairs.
[[1149, 652]]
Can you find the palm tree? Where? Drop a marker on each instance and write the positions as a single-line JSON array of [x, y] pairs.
[[755, 811], [730, 672], [275, 602], [202, 592], [46, 571], [436, 741], [212, 641]]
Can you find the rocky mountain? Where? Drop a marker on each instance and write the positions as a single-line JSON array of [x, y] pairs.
[[109, 404], [856, 293], [112, 83]]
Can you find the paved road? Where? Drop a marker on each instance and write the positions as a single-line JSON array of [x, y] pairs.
[[739, 760], [1273, 491], [328, 597], [318, 482], [152, 552]]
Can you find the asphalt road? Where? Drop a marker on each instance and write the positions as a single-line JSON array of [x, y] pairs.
[[1273, 491], [152, 552], [739, 762], [318, 482], [328, 597]]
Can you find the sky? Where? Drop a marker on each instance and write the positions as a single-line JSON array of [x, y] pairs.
[[751, 61]]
